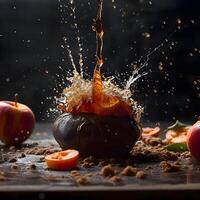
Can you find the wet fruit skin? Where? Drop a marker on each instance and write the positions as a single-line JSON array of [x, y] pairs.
[[193, 141], [16, 123], [100, 136]]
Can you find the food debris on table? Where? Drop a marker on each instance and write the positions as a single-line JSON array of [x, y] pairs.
[[107, 170], [129, 171], [141, 175], [116, 179], [170, 167], [82, 180], [2, 176], [14, 166], [12, 160], [167, 158]]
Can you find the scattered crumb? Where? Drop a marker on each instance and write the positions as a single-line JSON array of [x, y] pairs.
[[141, 175], [169, 167], [147, 149], [148, 167], [42, 159], [14, 166], [2, 173], [88, 162], [41, 150], [116, 179], [153, 141], [186, 154], [53, 178], [146, 152], [89, 175], [169, 155], [89, 159], [33, 166], [35, 143], [12, 160], [107, 171], [103, 163], [2, 178], [177, 163], [86, 165], [83, 180], [74, 173], [23, 155], [12, 148], [129, 171]]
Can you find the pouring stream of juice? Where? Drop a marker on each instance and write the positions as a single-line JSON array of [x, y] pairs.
[[99, 102], [97, 84]]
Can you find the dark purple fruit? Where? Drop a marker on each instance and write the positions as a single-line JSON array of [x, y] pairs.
[[100, 136]]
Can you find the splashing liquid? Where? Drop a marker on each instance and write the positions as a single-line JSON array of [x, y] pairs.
[[97, 96]]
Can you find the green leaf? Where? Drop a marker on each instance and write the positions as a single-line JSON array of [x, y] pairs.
[[177, 126], [177, 147]]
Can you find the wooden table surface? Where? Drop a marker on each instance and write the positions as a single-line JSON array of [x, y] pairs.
[[43, 184]]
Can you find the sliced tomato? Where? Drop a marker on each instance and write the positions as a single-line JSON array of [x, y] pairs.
[[148, 131], [177, 133], [63, 160]]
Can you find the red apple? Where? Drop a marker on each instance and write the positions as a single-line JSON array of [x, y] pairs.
[[193, 141], [16, 122]]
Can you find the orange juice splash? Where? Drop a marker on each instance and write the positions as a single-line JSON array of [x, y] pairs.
[[98, 96]]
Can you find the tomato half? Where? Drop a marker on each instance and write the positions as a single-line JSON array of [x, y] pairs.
[[63, 160], [148, 131]]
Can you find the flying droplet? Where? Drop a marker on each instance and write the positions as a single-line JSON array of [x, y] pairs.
[[146, 35], [179, 21], [7, 79]]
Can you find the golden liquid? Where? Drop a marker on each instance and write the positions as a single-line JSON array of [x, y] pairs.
[[97, 96], [99, 102]]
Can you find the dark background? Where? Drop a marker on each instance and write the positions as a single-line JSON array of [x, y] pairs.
[[33, 64]]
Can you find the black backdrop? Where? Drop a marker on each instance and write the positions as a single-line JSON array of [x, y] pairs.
[[31, 56]]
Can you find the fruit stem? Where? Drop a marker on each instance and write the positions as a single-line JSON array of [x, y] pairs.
[[16, 99]]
